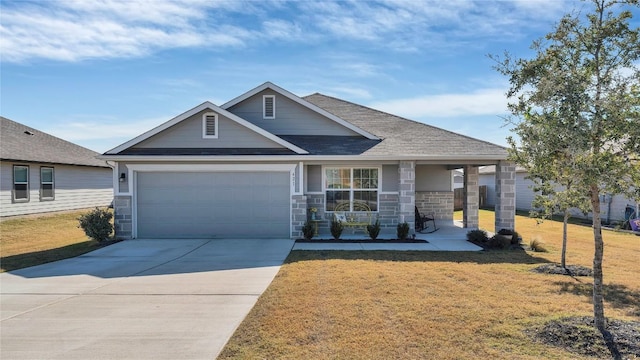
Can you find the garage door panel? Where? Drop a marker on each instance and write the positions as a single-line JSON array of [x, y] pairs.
[[213, 205]]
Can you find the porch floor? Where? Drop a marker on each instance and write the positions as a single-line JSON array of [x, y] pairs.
[[449, 237]]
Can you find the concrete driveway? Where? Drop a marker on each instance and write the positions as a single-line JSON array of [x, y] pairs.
[[137, 299]]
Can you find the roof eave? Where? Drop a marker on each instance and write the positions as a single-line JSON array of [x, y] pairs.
[[272, 158]]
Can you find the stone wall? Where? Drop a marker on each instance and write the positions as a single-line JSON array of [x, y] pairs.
[[471, 199], [505, 195], [298, 215], [438, 203]]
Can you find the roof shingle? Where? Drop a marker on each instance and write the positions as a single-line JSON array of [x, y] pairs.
[[21, 143]]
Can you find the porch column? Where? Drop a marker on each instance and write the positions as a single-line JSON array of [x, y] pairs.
[[505, 195], [471, 198], [407, 199]]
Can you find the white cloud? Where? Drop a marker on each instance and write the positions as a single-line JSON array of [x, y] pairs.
[[85, 128], [491, 101]]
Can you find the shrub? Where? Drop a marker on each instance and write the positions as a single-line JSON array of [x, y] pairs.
[[479, 236], [336, 229], [374, 230], [499, 242], [515, 237], [97, 224], [402, 231], [308, 230], [537, 246]]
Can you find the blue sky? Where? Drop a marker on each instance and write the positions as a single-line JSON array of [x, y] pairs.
[[99, 73]]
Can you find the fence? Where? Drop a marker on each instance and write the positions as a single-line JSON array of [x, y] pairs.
[[458, 197]]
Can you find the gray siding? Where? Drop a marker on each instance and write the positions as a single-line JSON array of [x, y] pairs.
[[433, 178], [291, 117], [76, 187], [314, 178], [188, 134], [390, 178]]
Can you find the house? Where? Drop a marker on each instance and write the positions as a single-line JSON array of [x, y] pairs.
[[612, 207], [255, 165], [42, 173]]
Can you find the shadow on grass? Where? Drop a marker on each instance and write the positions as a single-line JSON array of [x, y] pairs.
[[619, 296], [479, 257], [21, 261]]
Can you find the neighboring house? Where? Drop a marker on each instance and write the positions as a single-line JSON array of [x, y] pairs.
[[254, 166], [42, 173], [612, 208]]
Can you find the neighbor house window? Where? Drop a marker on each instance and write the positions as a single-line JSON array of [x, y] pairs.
[[269, 106], [351, 184], [20, 183], [47, 186], [210, 126]]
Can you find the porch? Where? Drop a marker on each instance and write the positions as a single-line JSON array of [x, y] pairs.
[[451, 236]]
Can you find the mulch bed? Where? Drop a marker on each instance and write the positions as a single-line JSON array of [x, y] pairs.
[[578, 335], [556, 269], [367, 241]]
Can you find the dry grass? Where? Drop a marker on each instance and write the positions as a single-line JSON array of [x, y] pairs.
[[34, 240], [417, 305]]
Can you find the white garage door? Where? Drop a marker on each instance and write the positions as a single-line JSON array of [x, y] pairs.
[[213, 205]]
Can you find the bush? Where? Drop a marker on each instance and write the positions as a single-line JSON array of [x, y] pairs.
[[97, 224], [308, 230], [537, 246], [402, 231], [515, 237], [499, 242], [478, 236], [374, 230], [336, 229]]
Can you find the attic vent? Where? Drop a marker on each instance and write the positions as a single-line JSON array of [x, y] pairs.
[[269, 106], [210, 126], [28, 132]]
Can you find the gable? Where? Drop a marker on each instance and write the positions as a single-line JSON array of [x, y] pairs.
[[189, 134], [290, 118], [186, 134]]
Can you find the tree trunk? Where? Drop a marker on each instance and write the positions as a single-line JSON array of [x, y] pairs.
[[563, 260], [598, 297]]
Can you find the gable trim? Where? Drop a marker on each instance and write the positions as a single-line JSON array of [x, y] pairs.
[[299, 100], [204, 106]]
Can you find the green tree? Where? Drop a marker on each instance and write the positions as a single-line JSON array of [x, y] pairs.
[[576, 105]]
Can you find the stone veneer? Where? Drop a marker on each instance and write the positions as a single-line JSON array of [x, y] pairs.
[[505, 195], [407, 198], [471, 199], [438, 203], [298, 215], [123, 223]]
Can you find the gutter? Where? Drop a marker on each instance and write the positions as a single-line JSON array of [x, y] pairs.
[[279, 158]]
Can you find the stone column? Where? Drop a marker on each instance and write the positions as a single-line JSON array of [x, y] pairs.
[[298, 215], [122, 220], [471, 198], [407, 198], [505, 195]]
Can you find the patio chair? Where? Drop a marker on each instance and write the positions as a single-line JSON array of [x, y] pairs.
[[422, 222]]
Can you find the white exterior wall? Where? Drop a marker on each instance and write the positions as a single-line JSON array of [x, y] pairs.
[[76, 187], [489, 180], [433, 178]]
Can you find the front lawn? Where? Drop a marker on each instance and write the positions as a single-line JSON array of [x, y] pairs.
[[416, 305], [38, 239]]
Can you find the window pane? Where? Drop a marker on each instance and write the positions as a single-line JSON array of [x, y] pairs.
[[365, 178], [368, 197], [46, 175], [338, 179], [20, 174], [47, 191], [336, 197], [21, 191]]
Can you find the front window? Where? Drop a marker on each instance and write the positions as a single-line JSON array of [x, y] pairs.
[[351, 184], [47, 187], [20, 183]]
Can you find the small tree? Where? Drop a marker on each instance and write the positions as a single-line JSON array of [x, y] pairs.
[[97, 224], [581, 92]]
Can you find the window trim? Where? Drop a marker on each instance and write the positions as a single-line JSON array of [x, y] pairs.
[[264, 106], [204, 125], [351, 188], [52, 183], [13, 187]]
